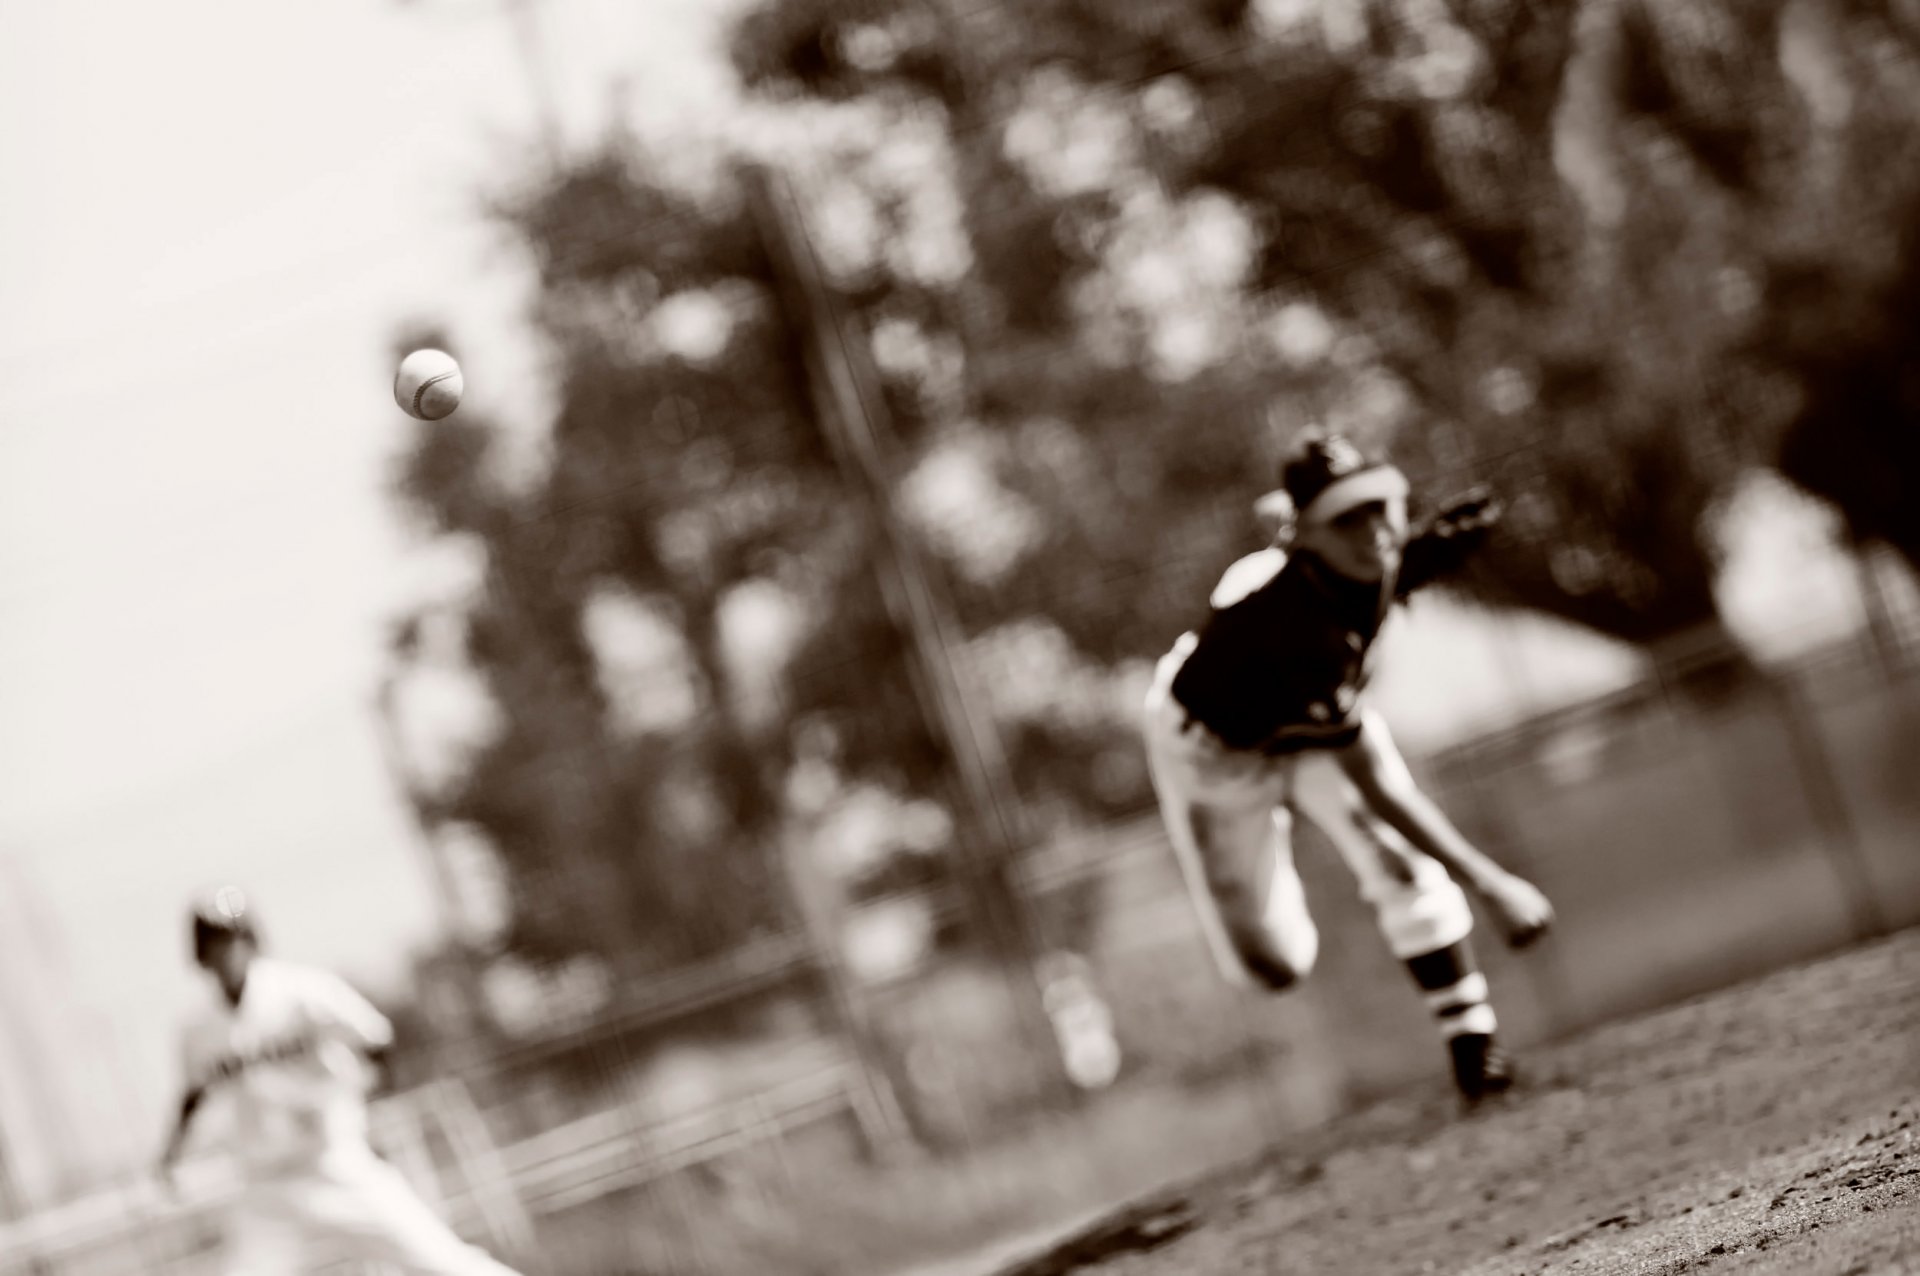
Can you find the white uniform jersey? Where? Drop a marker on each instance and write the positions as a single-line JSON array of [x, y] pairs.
[[289, 1063]]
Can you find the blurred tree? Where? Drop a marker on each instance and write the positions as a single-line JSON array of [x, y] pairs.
[[681, 602], [633, 788], [1797, 125], [682, 627], [1525, 242], [1855, 439], [1841, 276]]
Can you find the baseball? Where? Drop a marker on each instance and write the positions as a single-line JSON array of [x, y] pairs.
[[428, 385]]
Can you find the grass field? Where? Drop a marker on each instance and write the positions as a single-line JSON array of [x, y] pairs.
[[1773, 1129]]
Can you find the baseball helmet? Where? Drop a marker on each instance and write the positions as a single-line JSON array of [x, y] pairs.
[[222, 913], [1327, 475]]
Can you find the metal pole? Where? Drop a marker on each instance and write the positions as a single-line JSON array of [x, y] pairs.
[[445, 890], [884, 1111], [439, 872], [1839, 836], [853, 413]]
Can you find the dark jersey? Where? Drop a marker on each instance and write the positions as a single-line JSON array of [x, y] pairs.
[[1282, 668]]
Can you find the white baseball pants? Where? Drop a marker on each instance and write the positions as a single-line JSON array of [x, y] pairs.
[[350, 1206]]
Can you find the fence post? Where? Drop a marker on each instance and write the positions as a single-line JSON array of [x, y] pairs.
[[1838, 836], [852, 416], [487, 1176]]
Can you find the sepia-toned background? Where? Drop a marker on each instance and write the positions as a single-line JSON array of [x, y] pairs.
[[716, 744]]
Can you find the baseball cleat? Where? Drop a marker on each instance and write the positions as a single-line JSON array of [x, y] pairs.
[[1481, 1069]]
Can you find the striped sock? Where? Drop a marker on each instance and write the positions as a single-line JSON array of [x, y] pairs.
[[1455, 990]]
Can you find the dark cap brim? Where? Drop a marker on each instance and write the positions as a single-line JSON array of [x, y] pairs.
[[1381, 483]]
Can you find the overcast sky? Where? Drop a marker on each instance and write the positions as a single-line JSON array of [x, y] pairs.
[[215, 213]]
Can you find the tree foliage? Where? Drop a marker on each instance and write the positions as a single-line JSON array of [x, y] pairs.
[[682, 467], [1554, 232]]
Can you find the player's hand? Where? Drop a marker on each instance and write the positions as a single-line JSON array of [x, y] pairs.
[[1478, 510], [1524, 913]]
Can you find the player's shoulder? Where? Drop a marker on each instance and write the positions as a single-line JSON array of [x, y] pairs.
[[1247, 576]]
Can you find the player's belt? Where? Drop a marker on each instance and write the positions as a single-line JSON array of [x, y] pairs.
[[1190, 721], [1338, 734]]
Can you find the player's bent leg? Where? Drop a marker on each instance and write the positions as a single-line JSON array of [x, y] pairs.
[[1430, 930], [1457, 996], [1171, 771], [368, 1210], [1262, 939], [1219, 810], [1422, 912], [1424, 917], [1417, 905], [1178, 814], [1428, 925], [1273, 935], [1283, 948]]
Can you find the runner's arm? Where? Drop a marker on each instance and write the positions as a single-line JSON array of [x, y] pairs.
[[339, 1012], [342, 1012], [183, 1123]]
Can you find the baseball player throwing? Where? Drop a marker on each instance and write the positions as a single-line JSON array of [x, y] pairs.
[[293, 1049], [1257, 715]]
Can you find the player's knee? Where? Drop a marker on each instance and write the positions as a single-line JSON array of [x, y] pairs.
[[1431, 913]]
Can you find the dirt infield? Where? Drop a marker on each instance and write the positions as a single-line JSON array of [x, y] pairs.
[[1773, 1128]]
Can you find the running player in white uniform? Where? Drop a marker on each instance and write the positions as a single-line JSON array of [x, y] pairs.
[[1257, 714], [294, 1050]]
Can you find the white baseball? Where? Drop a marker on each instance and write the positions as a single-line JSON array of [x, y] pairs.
[[428, 385]]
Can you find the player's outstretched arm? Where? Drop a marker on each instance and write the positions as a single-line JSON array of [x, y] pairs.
[[341, 1012], [182, 1125], [1382, 777], [1448, 540]]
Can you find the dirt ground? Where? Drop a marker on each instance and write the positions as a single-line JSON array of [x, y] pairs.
[[1771, 1129]]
